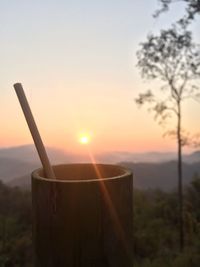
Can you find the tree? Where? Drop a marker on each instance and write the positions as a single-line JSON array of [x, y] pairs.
[[192, 9], [174, 59]]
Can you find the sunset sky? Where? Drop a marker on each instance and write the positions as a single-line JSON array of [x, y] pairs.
[[77, 63]]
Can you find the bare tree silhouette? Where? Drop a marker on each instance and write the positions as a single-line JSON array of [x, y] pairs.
[[172, 58]]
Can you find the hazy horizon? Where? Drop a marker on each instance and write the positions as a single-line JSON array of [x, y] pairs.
[[84, 150]]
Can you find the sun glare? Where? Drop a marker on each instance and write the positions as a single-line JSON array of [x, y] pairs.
[[84, 139]]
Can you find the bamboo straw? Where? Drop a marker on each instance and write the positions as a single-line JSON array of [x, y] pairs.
[[34, 131]]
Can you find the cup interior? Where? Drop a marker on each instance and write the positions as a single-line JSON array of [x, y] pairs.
[[84, 172]]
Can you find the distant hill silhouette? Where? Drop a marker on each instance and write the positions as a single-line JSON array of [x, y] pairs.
[[146, 175], [21, 161], [23, 182], [28, 153], [159, 169], [10, 168], [161, 175]]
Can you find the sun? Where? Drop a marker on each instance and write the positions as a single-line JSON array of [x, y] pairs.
[[84, 139]]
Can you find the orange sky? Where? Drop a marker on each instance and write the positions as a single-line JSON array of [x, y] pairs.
[[77, 65]]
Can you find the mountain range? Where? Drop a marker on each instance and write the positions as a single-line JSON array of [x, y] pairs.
[[151, 170]]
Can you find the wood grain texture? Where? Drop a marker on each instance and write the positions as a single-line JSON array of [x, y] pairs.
[[86, 222]]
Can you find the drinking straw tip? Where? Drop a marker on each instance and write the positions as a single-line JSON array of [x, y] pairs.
[[17, 84]]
